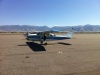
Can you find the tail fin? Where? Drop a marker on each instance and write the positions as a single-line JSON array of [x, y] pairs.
[[70, 34]]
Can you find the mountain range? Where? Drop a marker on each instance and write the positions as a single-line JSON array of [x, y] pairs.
[[23, 28]]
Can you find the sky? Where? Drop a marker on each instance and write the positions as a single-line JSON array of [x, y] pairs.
[[49, 12]]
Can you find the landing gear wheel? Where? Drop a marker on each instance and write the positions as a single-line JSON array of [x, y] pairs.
[[41, 42], [45, 43]]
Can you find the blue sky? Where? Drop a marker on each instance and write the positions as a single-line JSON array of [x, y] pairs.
[[50, 12]]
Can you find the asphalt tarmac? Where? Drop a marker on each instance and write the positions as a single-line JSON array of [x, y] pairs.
[[77, 56]]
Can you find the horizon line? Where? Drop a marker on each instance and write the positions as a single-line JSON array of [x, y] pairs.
[[46, 25]]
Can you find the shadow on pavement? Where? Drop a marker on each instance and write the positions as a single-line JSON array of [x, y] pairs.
[[64, 43], [35, 47], [22, 45]]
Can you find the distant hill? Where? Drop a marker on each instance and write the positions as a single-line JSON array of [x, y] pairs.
[[23, 28]]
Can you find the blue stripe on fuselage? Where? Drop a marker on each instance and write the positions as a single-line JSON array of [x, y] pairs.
[[57, 38], [37, 38], [34, 37]]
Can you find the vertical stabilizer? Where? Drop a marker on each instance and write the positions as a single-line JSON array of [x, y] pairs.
[[70, 34]]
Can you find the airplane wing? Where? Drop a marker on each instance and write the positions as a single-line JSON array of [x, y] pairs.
[[46, 32], [50, 31]]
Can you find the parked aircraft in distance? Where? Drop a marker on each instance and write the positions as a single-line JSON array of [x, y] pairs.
[[45, 36]]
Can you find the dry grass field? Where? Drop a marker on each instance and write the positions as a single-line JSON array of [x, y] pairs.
[[77, 56]]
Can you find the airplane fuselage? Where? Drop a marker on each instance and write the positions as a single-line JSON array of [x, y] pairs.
[[36, 37]]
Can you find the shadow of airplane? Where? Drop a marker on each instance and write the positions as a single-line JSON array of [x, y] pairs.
[[64, 43], [35, 47], [22, 45]]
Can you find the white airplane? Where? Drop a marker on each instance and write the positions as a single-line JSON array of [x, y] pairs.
[[45, 36]]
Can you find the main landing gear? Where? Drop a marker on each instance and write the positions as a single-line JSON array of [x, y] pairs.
[[45, 42]]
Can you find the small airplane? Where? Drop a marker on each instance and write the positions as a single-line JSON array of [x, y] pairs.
[[45, 36]]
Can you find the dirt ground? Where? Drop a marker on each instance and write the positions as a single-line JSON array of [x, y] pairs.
[[77, 56]]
